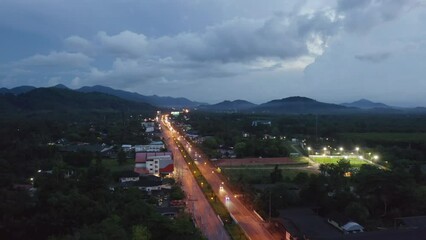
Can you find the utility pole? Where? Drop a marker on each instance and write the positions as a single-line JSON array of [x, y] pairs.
[[270, 193], [316, 127]]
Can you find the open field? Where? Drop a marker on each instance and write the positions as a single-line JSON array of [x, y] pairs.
[[258, 161], [259, 174], [387, 137], [355, 162]]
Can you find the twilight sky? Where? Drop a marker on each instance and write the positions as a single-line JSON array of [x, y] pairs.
[[212, 50]]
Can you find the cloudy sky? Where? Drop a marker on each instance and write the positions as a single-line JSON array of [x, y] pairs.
[[211, 50]]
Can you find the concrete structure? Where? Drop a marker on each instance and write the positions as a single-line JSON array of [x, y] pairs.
[[156, 146], [126, 147], [154, 163], [149, 126], [303, 223], [129, 176], [261, 122]]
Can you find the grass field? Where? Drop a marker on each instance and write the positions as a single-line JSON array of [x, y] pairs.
[[259, 174], [355, 162]]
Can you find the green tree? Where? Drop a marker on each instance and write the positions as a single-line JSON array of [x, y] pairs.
[[240, 149], [357, 211], [140, 232], [276, 175], [121, 157]]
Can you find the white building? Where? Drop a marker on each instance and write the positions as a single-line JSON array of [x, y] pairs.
[[157, 146]]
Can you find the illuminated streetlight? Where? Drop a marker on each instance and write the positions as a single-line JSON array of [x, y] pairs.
[[341, 149], [309, 148], [376, 157], [357, 149], [325, 149]]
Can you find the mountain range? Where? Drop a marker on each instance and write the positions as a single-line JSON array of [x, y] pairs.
[[60, 99], [165, 102], [228, 106], [28, 97]]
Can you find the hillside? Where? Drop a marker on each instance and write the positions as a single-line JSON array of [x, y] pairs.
[[301, 105], [227, 106], [168, 102], [365, 104], [58, 99]]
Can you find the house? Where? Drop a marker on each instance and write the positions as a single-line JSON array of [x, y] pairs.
[[154, 163], [149, 126], [260, 123], [411, 222], [126, 147], [303, 223], [344, 224], [170, 212], [108, 152], [128, 176], [145, 183], [155, 146]]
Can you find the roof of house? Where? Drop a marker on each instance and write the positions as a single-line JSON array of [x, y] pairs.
[[128, 173], [416, 221], [309, 224], [147, 181], [392, 234], [352, 226]]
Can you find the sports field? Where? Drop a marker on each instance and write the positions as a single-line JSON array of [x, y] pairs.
[[355, 162]]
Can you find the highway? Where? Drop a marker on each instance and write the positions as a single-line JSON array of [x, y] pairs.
[[197, 204], [254, 227]]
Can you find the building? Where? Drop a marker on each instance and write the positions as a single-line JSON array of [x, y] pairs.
[[126, 147], [344, 224], [303, 223], [129, 176], [260, 123], [154, 163], [156, 146], [149, 126]]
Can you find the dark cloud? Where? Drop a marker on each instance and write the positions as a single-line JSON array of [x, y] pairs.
[[362, 15], [373, 57]]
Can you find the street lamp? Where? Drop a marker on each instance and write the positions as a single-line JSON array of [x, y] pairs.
[[376, 157], [357, 149], [341, 149]]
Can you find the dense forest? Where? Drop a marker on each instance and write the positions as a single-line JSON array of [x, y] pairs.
[[46, 193]]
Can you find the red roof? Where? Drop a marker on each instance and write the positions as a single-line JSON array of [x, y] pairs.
[[168, 169], [142, 156]]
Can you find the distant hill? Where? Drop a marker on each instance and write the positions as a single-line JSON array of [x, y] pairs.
[[59, 99], [17, 90], [61, 86], [365, 104], [167, 102], [229, 106], [301, 105]]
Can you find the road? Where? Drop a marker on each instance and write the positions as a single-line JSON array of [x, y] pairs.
[[254, 227], [200, 208]]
